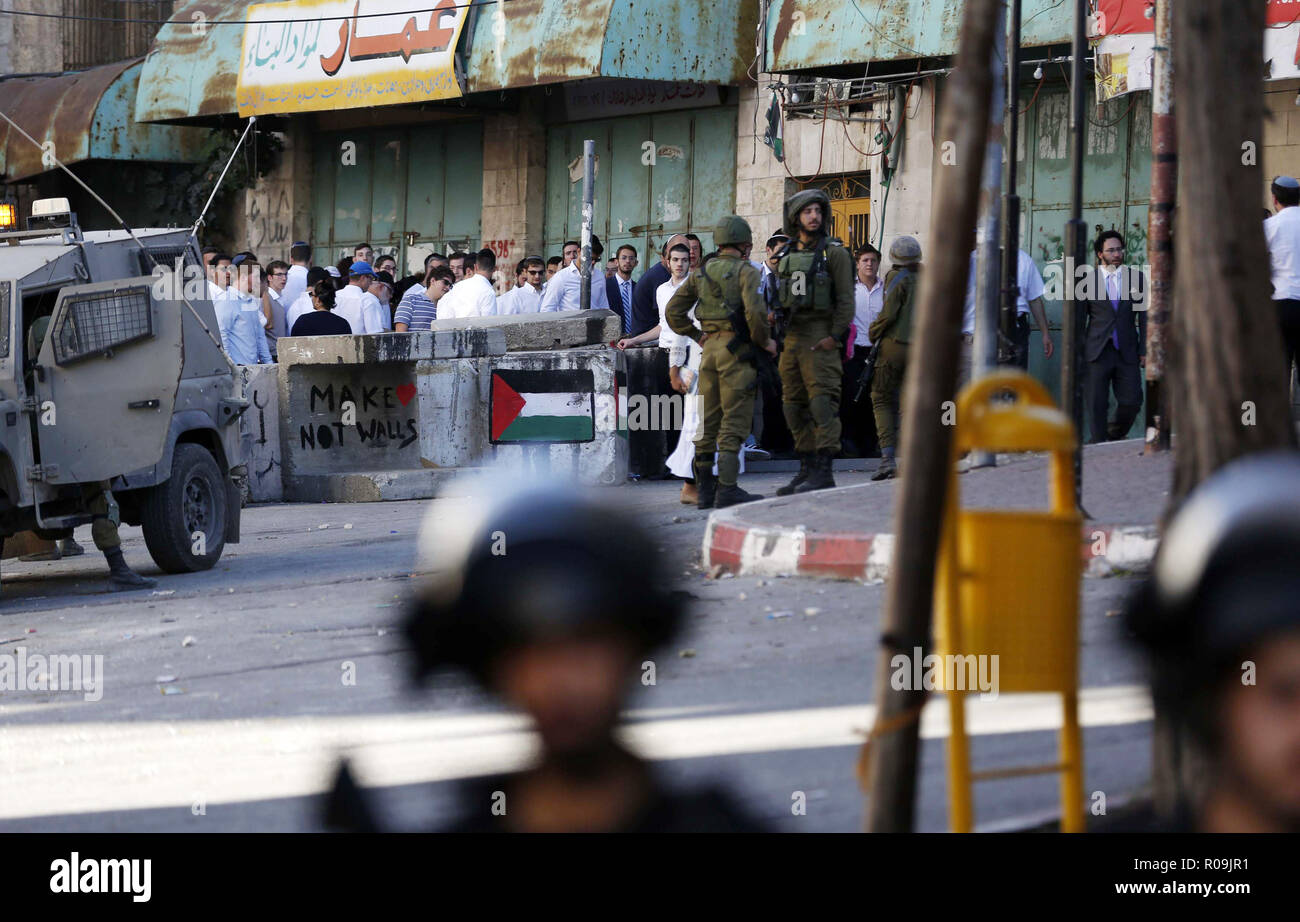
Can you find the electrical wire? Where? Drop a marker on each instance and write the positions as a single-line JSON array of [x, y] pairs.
[[1034, 98]]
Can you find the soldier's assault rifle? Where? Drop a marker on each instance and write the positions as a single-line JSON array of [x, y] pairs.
[[868, 370]]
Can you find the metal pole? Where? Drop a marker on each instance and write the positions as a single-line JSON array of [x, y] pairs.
[[588, 190], [1160, 254], [1011, 202], [1076, 250], [988, 283]]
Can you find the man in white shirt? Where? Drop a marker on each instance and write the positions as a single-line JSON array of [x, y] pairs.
[[857, 421], [296, 283], [303, 304], [473, 296], [1282, 232], [1029, 302], [355, 304], [525, 298], [564, 291]]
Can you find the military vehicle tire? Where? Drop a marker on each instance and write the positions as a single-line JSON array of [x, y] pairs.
[[189, 503]]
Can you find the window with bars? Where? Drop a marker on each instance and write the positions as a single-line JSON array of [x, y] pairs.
[[105, 35], [91, 324], [166, 256]]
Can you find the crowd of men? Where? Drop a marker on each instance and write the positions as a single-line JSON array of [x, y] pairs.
[[842, 327]]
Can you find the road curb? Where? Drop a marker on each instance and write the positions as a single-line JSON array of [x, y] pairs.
[[766, 550]]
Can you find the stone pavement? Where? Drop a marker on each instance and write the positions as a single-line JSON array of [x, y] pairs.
[[847, 533]]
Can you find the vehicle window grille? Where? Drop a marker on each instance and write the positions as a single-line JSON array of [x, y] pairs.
[[4, 320], [166, 257], [91, 324]]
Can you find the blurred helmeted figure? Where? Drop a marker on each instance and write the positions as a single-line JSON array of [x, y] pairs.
[[1220, 621], [530, 595]]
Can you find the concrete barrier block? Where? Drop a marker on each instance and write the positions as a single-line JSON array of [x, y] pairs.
[[259, 431], [391, 347], [552, 330]]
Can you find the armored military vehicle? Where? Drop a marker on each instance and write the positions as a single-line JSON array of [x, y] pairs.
[[126, 387]]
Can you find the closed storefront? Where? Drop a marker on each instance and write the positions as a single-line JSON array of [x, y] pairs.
[[408, 191], [1116, 190], [656, 175]]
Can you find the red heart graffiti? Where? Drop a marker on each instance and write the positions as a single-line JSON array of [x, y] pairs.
[[405, 392]]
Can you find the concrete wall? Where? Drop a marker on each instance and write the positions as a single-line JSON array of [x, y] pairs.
[[1280, 146], [514, 187], [259, 430], [30, 44], [277, 211]]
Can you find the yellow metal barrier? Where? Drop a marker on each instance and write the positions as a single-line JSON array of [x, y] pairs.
[[1008, 586]]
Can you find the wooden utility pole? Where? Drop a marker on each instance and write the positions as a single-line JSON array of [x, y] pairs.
[[927, 442], [1076, 252], [1230, 394], [1160, 219], [1226, 383]]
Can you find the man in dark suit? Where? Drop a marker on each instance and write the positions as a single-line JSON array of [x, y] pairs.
[[1115, 343], [620, 288]]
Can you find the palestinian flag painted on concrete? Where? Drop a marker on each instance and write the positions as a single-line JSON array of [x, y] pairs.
[[555, 405]]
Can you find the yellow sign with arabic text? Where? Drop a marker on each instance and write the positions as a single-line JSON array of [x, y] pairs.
[[311, 55]]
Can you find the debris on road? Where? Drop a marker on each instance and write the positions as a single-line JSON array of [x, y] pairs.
[[188, 641]]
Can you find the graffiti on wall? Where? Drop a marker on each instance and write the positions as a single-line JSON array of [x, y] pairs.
[[370, 417]]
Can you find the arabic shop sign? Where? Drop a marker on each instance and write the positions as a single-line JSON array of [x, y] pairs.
[[346, 54], [604, 98]]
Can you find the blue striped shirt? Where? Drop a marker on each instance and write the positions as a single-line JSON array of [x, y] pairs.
[[415, 309]]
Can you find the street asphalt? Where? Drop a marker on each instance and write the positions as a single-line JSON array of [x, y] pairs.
[[225, 706]]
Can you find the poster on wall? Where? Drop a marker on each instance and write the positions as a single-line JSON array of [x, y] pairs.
[[311, 55], [1123, 39]]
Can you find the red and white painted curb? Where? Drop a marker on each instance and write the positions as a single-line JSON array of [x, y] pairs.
[[767, 550]]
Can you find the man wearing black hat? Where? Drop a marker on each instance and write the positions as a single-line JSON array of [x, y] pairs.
[[528, 594], [1219, 622]]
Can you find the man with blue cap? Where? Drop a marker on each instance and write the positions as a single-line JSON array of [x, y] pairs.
[[355, 304], [1282, 231]]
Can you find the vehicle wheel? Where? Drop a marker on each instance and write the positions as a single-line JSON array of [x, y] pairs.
[[192, 502]]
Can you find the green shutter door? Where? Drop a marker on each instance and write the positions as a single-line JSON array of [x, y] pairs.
[[689, 185], [422, 182], [1116, 190]]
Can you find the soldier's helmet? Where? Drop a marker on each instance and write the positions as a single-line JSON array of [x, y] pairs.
[[905, 250], [732, 230], [801, 200], [532, 561], [1223, 580]]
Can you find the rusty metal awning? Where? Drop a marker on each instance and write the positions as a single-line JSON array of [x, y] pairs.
[[192, 68], [674, 40], [810, 34], [87, 116], [192, 73]]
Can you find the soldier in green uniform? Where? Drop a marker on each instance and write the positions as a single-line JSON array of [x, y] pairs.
[[732, 327], [815, 285], [98, 500], [893, 331]]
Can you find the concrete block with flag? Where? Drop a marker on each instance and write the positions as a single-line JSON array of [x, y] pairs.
[[543, 406]]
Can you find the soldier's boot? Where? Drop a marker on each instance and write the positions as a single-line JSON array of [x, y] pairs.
[[806, 460], [120, 576], [71, 548], [888, 468], [820, 477], [729, 492], [706, 483], [690, 494]]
